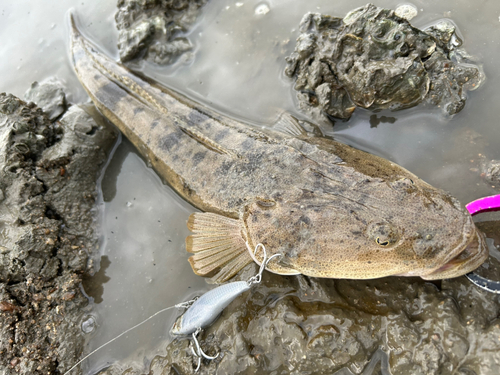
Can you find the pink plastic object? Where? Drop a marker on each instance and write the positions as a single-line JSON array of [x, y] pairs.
[[486, 204]]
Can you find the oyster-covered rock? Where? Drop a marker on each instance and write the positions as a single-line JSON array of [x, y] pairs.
[[374, 59], [151, 28]]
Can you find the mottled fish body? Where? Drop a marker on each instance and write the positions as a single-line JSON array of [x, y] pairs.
[[329, 209]]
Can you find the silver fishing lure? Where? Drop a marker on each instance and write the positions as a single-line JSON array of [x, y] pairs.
[[207, 308]]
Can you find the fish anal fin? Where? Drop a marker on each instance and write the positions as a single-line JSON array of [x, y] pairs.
[[218, 246]]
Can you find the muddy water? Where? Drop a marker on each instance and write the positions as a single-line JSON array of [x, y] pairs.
[[237, 68]]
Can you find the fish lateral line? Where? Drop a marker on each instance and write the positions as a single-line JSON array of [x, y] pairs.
[[208, 143]]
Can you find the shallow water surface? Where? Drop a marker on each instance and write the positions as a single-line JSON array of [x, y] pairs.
[[238, 69]]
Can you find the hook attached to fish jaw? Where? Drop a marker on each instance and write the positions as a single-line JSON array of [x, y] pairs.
[[199, 353], [258, 278]]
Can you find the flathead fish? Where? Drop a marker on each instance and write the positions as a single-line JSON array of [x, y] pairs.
[[329, 209]]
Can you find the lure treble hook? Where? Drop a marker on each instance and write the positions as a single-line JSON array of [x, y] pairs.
[[199, 353]]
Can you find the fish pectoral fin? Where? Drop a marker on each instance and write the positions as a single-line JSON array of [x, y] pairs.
[[218, 246], [289, 125]]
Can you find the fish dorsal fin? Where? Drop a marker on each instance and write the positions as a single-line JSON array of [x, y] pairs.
[[288, 124], [218, 246]]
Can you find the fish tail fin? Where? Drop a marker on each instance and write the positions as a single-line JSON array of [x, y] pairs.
[[218, 246]]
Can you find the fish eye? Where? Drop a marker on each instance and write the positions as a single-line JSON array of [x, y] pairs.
[[384, 234], [384, 244]]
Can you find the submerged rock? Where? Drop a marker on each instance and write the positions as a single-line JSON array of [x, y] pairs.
[[48, 175], [150, 28], [490, 170], [374, 59]]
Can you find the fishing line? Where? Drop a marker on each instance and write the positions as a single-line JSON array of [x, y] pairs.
[[179, 305]]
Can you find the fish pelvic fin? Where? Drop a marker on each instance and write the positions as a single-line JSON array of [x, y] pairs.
[[289, 125], [218, 246]]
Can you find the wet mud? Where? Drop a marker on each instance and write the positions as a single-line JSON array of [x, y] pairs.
[[48, 221], [151, 29], [376, 60]]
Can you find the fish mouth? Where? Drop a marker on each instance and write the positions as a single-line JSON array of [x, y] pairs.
[[472, 256]]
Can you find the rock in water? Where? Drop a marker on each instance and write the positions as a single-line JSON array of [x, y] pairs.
[[49, 96], [374, 59], [150, 28]]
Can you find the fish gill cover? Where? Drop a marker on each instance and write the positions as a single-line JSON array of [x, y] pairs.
[[376, 60]]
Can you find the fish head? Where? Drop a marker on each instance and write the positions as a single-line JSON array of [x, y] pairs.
[[379, 227]]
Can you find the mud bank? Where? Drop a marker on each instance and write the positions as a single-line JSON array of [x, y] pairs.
[[48, 175]]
